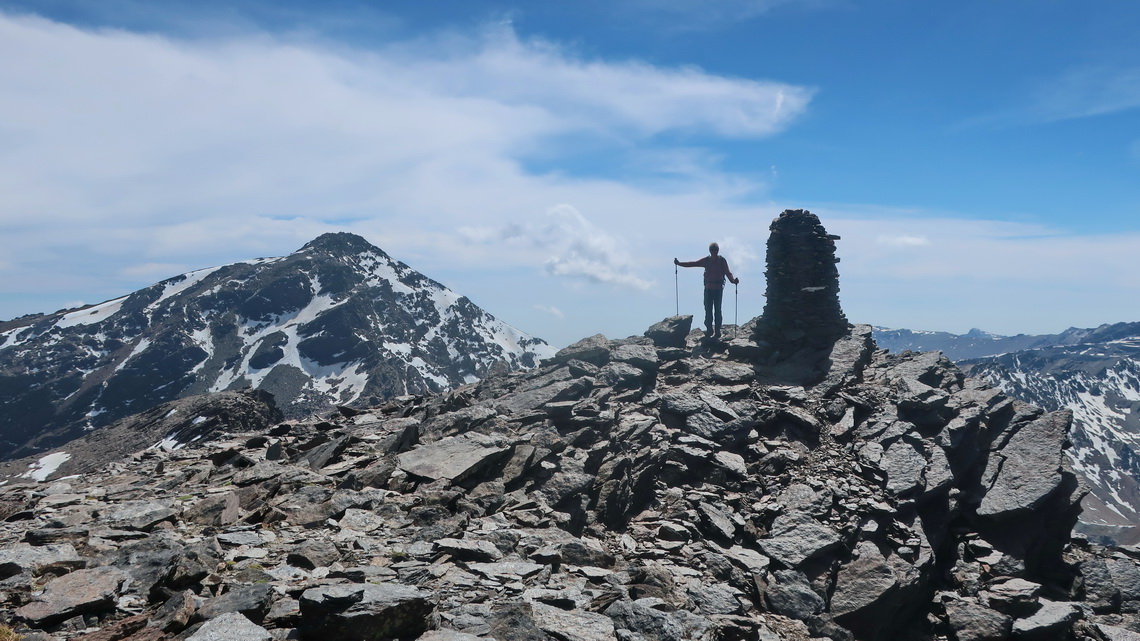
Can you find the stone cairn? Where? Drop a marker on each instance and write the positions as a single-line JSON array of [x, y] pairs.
[[802, 309]]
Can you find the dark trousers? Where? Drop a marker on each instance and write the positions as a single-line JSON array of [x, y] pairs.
[[713, 298]]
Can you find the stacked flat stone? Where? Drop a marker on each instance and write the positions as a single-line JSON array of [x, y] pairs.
[[802, 307]]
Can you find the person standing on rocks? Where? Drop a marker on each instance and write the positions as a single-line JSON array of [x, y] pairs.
[[716, 271]]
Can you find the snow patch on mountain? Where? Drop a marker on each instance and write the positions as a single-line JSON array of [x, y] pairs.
[[335, 323], [46, 466], [91, 315], [179, 284]]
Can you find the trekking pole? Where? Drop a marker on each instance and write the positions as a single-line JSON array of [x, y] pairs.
[[677, 288], [735, 308]]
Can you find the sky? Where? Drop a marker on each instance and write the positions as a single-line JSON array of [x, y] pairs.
[[980, 160]]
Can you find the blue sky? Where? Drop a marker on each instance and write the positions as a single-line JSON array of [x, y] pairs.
[[549, 159]]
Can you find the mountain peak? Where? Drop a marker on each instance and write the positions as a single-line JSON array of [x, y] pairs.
[[340, 242], [339, 322]]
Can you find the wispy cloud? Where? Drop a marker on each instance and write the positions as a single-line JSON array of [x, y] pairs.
[[895, 240], [551, 310], [602, 95], [1074, 93], [687, 15], [1088, 91], [155, 271], [574, 247]]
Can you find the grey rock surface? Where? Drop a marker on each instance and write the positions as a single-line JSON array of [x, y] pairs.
[[795, 538], [231, 627], [72, 594], [972, 621], [1027, 469]]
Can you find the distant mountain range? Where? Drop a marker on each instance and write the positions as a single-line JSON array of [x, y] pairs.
[[337, 322], [1093, 372], [977, 343]]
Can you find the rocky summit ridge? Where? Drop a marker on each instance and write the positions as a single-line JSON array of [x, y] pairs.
[[642, 488], [660, 487]]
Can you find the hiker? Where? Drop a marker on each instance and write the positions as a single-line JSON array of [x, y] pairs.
[[716, 270]]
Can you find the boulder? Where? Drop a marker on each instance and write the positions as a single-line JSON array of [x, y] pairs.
[[795, 538], [452, 458], [594, 350], [670, 332], [573, 625], [252, 601], [139, 515], [79, 592], [867, 579], [972, 621], [1027, 470], [790, 593], [643, 357], [904, 465], [363, 612], [1052, 621], [230, 627], [21, 557]]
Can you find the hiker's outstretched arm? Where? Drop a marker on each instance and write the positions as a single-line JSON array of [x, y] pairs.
[[687, 263]]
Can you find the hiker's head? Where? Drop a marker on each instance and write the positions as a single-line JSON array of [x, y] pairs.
[[714, 249]]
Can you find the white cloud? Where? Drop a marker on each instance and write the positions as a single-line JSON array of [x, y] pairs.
[[892, 240], [574, 247], [740, 254], [601, 95], [121, 148], [551, 310]]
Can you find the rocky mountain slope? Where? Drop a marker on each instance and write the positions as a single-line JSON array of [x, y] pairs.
[[337, 322], [793, 483], [651, 488], [1099, 382], [1095, 373]]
